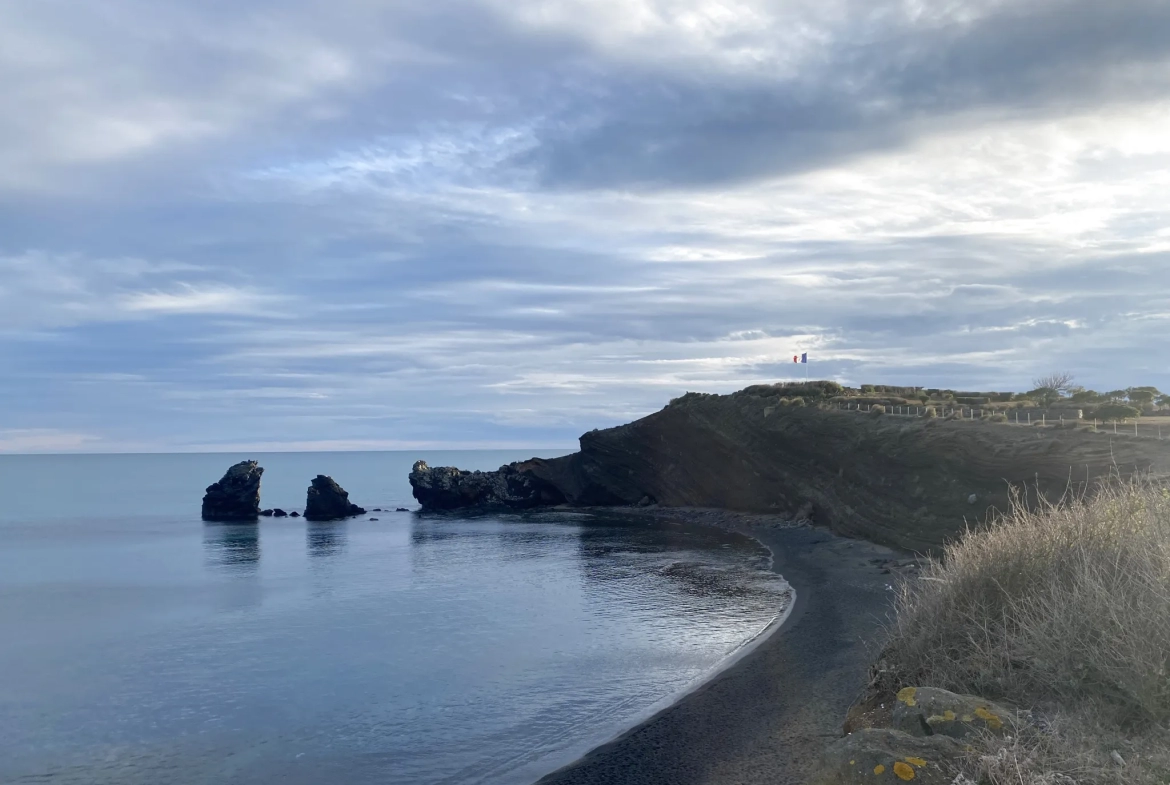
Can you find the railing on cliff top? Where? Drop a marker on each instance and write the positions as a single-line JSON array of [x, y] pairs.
[[1023, 417]]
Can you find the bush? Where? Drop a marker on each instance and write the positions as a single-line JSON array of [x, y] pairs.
[[877, 409], [998, 417], [1065, 603], [1116, 411], [931, 412]]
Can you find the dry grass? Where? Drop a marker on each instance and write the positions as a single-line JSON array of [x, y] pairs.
[[1066, 607]]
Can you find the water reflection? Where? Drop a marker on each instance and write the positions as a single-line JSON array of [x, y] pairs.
[[325, 539], [234, 545]]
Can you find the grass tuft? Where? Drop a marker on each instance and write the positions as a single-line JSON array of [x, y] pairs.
[[1065, 607]]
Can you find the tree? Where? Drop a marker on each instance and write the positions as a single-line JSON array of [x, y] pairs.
[[1142, 396], [1164, 400], [1117, 411], [1051, 387]]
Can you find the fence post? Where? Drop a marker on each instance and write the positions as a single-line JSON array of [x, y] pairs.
[[1115, 426], [1029, 418], [1044, 418], [1135, 426]]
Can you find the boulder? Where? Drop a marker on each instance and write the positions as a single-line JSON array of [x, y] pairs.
[[401, 509], [328, 501], [294, 514], [876, 755], [266, 513], [509, 487], [929, 711], [279, 513], [236, 497]]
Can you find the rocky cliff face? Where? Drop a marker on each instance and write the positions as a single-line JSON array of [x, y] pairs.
[[328, 501], [907, 482], [515, 486], [236, 497]]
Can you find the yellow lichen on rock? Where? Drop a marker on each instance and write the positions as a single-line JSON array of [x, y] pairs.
[[993, 721], [903, 771], [906, 695], [919, 762], [879, 769]]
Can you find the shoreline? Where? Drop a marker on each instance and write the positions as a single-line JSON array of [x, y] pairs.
[[763, 715]]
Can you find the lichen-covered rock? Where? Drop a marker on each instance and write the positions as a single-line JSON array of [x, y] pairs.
[[236, 497], [883, 755], [511, 486], [929, 711], [328, 501]]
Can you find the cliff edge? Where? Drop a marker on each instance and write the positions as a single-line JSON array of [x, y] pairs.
[[910, 482]]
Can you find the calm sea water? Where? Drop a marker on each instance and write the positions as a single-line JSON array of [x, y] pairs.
[[141, 645]]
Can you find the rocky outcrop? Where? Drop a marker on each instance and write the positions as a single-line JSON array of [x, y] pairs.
[[929, 711], [516, 486], [898, 481], [875, 755], [328, 501], [236, 497]]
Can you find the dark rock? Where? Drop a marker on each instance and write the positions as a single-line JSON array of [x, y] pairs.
[[279, 513], [885, 755], [373, 519], [236, 497], [376, 509], [294, 514], [266, 513], [929, 711], [328, 501], [512, 487], [402, 509]]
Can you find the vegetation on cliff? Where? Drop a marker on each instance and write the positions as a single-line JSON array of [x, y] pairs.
[[1064, 610]]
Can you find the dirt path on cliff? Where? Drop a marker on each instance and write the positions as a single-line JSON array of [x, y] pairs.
[[766, 718]]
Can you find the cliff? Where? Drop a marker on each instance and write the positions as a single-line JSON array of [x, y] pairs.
[[909, 482]]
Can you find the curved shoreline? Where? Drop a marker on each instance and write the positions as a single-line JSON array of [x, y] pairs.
[[764, 713]]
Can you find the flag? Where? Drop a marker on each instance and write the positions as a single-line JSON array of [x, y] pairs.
[[795, 359], [804, 357]]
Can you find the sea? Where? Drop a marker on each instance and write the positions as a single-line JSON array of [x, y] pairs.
[[139, 644]]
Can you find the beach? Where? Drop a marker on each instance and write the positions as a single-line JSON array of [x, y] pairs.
[[766, 718]]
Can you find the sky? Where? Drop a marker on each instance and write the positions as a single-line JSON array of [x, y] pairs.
[[351, 224]]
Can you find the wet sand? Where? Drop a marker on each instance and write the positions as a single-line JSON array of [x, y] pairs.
[[767, 717]]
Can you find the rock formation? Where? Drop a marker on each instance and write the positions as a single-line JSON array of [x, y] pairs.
[[236, 497], [513, 486], [328, 501], [898, 481]]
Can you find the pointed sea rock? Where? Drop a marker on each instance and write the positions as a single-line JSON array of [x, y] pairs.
[[237, 496], [328, 501]]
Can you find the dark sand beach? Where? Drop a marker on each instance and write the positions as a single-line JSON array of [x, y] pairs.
[[766, 718]]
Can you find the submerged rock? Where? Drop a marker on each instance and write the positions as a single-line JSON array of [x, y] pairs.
[[511, 486], [236, 497], [294, 514], [328, 501]]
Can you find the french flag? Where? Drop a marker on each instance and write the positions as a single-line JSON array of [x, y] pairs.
[[803, 358]]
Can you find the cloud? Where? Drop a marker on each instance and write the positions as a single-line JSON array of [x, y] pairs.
[[477, 222]]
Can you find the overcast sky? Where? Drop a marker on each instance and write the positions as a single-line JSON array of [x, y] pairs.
[[332, 224]]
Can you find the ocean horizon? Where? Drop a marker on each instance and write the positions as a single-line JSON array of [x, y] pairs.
[[143, 645]]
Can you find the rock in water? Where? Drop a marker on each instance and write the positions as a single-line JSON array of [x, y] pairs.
[[514, 486], [328, 501], [237, 496]]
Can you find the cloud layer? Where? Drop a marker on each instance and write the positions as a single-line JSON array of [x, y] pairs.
[[478, 222]]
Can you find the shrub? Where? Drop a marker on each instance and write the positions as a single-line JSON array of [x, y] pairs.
[[1117, 411], [931, 412], [868, 389], [1063, 602], [877, 409], [998, 417]]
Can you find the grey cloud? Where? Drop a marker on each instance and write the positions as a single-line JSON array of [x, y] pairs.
[[874, 90]]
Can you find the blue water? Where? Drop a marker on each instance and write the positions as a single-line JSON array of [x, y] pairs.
[[141, 645]]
